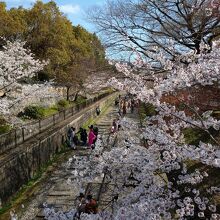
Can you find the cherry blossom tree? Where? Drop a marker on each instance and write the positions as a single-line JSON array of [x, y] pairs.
[[154, 181], [163, 132], [17, 63]]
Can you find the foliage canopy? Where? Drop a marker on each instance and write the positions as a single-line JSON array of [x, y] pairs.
[[51, 36]]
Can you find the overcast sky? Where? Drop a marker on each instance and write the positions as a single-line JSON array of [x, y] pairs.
[[73, 9]]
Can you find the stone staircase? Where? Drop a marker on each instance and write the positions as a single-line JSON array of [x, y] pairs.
[[56, 191]]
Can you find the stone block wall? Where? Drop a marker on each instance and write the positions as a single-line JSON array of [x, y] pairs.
[[17, 136], [22, 164]]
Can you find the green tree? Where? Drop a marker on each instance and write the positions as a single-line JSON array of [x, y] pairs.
[[12, 22], [73, 52], [50, 34]]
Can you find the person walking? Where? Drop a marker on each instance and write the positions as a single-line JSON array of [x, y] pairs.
[[91, 205], [96, 132], [81, 203], [91, 137], [114, 126], [83, 136], [71, 137], [121, 104], [98, 111], [118, 123]]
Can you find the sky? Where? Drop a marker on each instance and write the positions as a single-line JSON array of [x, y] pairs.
[[75, 10]]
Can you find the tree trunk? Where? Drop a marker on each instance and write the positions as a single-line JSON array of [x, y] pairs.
[[76, 95], [67, 93]]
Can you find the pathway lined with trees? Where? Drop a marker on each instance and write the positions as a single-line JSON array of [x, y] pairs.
[[40, 49], [169, 167], [60, 189]]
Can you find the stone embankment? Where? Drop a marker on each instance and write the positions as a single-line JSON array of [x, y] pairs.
[[55, 189], [21, 134], [21, 163]]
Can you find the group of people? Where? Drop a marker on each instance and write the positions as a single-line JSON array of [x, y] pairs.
[[86, 204], [88, 140], [125, 104]]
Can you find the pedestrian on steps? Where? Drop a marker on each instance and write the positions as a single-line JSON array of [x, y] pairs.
[[114, 126], [92, 137], [81, 203], [72, 137], [98, 111], [83, 136], [96, 132], [91, 205]]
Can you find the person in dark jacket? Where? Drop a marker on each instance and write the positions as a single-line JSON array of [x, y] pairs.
[[83, 136], [72, 137], [81, 203], [98, 111], [91, 206]]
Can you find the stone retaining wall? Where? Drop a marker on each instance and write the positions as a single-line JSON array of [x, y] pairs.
[[17, 136], [22, 164]]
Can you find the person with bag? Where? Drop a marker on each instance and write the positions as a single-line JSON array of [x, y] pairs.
[[81, 204], [91, 137], [91, 206], [114, 126], [83, 136]]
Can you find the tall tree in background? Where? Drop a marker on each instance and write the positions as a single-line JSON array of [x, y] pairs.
[[12, 22], [59, 41], [87, 54], [49, 34], [173, 25], [73, 52]]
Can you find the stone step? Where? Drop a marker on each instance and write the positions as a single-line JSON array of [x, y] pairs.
[[61, 195]]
